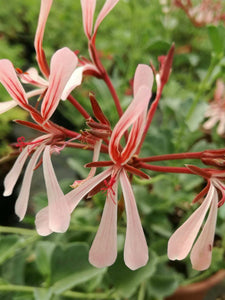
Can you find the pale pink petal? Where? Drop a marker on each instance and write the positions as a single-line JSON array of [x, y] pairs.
[[135, 249], [31, 77], [13, 175], [74, 81], [11, 83], [7, 105], [42, 222], [108, 6], [103, 251], [63, 63], [210, 122], [59, 214], [75, 196], [22, 200], [181, 241], [221, 126], [131, 115], [88, 9], [201, 254], [143, 76], [220, 89], [41, 59]]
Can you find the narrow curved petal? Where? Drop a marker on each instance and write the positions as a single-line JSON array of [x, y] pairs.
[[181, 241], [88, 9], [108, 6], [59, 214], [136, 249], [75, 196], [43, 16], [22, 200], [42, 222], [31, 76], [103, 251], [131, 115], [9, 79], [7, 105], [13, 175], [143, 77], [201, 254], [63, 63]]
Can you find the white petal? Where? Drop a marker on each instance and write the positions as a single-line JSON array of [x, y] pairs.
[[103, 251], [22, 200], [74, 81], [183, 238], [7, 105], [13, 175], [59, 214], [136, 249], [201, 253], [42, 222]]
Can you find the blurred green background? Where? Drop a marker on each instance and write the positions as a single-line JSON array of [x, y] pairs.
[[56, 267]]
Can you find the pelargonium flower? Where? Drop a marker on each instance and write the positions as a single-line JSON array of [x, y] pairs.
[[183, 240], [50, 88], [216, 109], [207, 12], [103, 251]]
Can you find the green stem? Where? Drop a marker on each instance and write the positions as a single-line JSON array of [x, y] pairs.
[[141, 293], [22, 231], [19, 245], [68, 294]]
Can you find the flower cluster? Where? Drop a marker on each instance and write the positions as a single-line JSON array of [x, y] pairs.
[[122, 143]]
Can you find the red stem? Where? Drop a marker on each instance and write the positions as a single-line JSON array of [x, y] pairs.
[[79, 107], [165, 169], [195, 155], [113, 93]]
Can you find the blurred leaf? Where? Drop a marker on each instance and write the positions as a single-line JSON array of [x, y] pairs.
[[197, 116], [127, 281], [43, 294], [70, 267], [216, 37], [43, 253]]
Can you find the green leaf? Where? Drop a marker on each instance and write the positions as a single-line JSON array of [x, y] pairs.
[[42, 294], [197, 116], [164, 282], [43, 253], [70, 267], [216, 37], [127, 281]]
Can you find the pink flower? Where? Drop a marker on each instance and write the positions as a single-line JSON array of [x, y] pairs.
[[103, 251], [183, 239], [207, 12], [216, 109], [62, 65]]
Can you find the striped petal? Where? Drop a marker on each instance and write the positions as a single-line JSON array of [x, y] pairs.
[[59, 214], [183, 238], [41, 59], [88, 9], [131, 115], [108, 6], [13, 175], [7, 105], [103, 251], [9, 79], [136, 249], [22, 200], [143, 77], [201, 254], [63, 63]]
